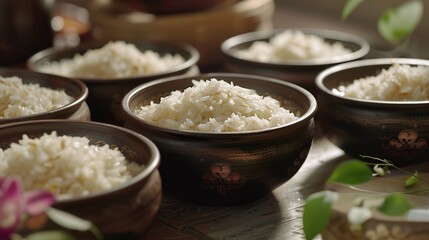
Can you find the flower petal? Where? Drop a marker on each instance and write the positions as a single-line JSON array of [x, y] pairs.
[[358, 215], [38, 201], [379, 170], [11, 206], [10, 188]]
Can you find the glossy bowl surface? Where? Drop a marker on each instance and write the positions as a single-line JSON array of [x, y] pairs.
[[77, 109], [129, 208], [105, 94], [397, 131], [233, 167], [302, 73]]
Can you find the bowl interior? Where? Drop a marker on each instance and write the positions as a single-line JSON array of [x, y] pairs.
[[344, 74], [134, 146], [357, 45], [73, 87], [294, 97], [189, 53]]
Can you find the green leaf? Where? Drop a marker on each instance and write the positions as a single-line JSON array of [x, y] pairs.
[[398, 23], [68, 220], [395, 204], [317, 212], [349, 7], [351, 172], [50, 235], [412, 180], [96, 232]]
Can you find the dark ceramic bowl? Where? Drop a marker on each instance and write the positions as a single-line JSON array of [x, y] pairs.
[[250, 164], [301, 73], [105, 95], [397, 131], [77, 109], [129, 208]]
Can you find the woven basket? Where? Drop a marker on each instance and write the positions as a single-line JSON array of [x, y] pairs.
[[205, 30]]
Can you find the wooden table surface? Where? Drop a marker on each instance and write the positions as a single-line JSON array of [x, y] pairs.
[[277, 216]]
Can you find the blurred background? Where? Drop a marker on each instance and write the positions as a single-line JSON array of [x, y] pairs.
[[27, 26]]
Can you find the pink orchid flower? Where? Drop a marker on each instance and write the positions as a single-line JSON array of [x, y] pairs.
[[15, 204]]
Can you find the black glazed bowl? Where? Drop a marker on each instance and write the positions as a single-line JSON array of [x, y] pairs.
[[228, 167], [393, 130], [302, 73], [76, 110], [105, 94], [125, 209]]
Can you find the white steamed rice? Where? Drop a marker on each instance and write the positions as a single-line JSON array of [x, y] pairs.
[[116, 59], [292, 45], [65, 165], [400, 82], [216, 106], [18, 99]]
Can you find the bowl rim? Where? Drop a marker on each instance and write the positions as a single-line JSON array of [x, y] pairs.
[[320, 79], [150, 167], [228, 44], [188, 63], [135, 91], [75, 103]]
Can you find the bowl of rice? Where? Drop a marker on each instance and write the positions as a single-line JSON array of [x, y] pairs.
[[295, 55], [26, 95], [356, 216], [111, 69], [102, 173], [378, 108], [224, 138]]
